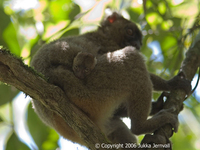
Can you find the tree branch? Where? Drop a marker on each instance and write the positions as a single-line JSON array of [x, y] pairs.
[[14, 72], [176, 98]]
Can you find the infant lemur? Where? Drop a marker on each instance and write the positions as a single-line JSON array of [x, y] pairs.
[[83, 64], [119, 77]]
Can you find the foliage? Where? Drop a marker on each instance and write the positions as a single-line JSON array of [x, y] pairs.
[[169, 28]]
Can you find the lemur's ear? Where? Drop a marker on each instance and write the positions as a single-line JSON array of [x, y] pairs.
[[112, 18]]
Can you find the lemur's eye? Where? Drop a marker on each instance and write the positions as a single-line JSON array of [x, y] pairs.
[[129, 32]]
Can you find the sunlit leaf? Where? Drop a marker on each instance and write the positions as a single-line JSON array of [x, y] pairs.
[[10, 37], [162, 7], [153, 19], [183, 140], [133, 14], [166, 25], [148, 4], [3, 25], [52, 141], [136, 9], [61, 9], [5, 113], [168, 42]]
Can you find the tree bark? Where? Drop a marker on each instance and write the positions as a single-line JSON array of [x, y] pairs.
[[176, 98], [15, 73]]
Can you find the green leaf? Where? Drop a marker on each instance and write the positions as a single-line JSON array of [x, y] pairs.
[[3, 25], [166, 25], [15, 144], [74, 12], [176, 22], [7, 93], [162, 7], [168, 42], [10, 37], [1, 120], [184, 140], [153, 19], [133, 14], [71, 32], [52, 140], [61, 9], [39, 131]]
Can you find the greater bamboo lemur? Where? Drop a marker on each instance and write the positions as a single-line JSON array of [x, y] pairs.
[[119, 77]]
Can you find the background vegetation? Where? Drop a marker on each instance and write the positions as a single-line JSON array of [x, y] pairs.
[[169, 28]]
